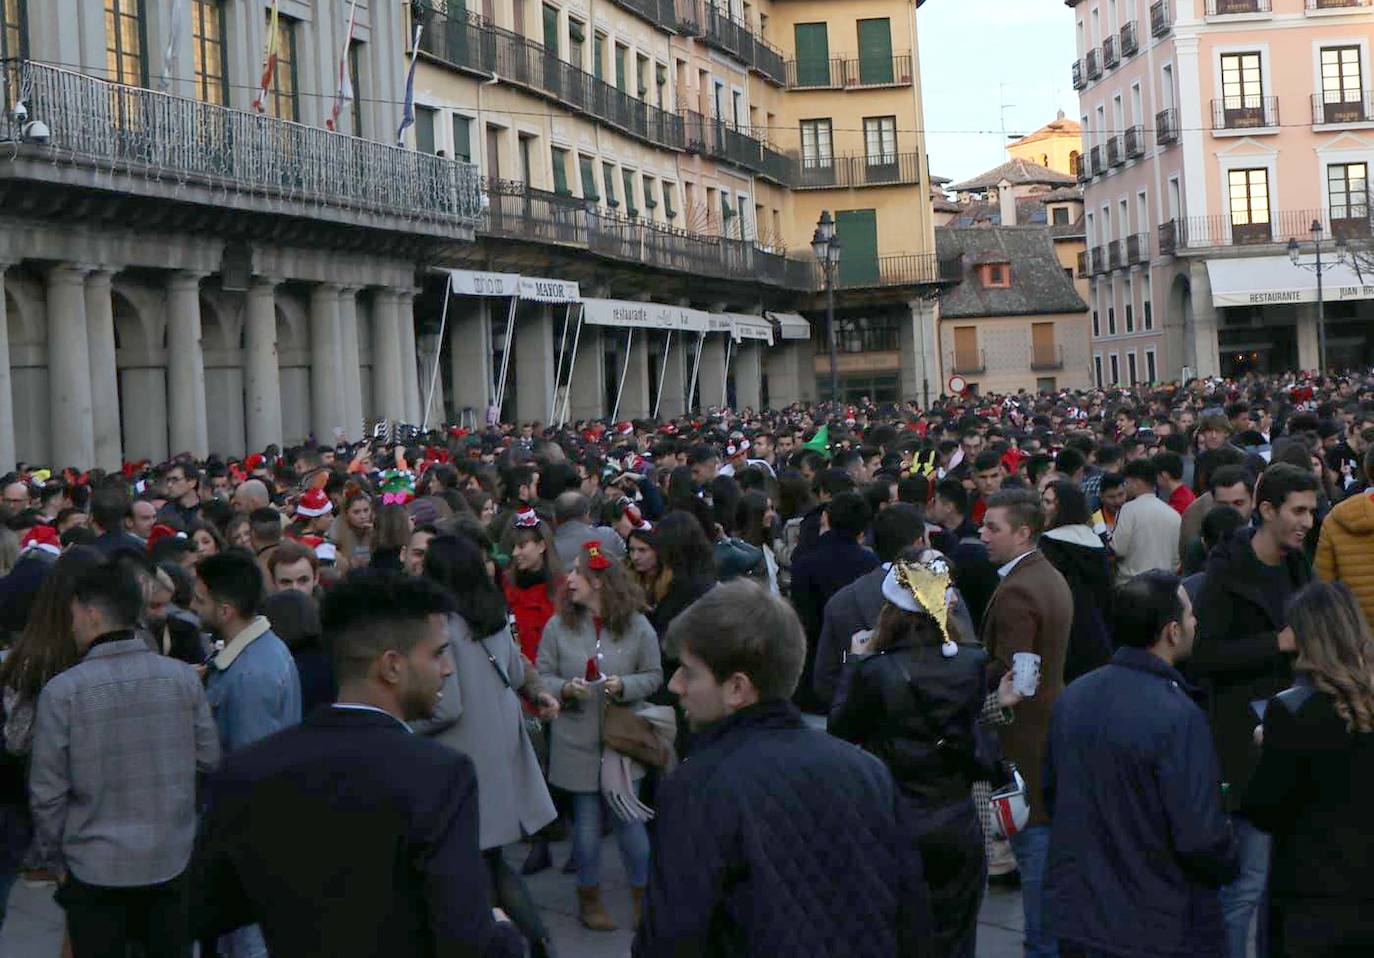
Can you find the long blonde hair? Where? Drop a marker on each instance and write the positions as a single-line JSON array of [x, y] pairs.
[[1335, 650]]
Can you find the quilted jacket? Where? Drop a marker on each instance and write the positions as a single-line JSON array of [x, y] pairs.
[[773, 839], [1345, 550]]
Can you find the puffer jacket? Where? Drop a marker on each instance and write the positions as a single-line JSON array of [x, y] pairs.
[[1345, 550]]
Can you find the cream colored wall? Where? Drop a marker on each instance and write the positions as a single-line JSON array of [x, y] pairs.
[[1006, 346], [1066, 251], [1058, 148]]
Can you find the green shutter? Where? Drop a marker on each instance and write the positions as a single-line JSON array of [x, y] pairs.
[[598, 41], [875, 51], [608, 178], [629, 180], [813, 54], [551, 30], [575, 32], [588, 174], [424, 129], [669, 196], [619, 67], [858, 233], [560, 172], [462, 138]]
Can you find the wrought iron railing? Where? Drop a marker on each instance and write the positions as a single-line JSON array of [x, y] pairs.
[[1080, 76], [843, 172], [878, 71], [1221, 230], [1134, 141], [1094, 64], [1095, 164], [1115, 155], [1166, 126], [114, 127], [1084, 264], [1130, 38], [1226, 8], [1099, 260], [1045, 357], [1245, 113], [1115, 257], [1137, 249], [1160, 18], [897, 269], [1338, 108], [1335, 4], [1110, 56], [815, 74]]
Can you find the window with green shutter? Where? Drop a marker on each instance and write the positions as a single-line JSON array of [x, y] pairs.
[[462, 138], [813, 54], [560, 172], [649, 201], [608, 178], [586, 167], [620, 54], [727, 213], [669, 201], [628, 179], [598, 45], [875, 51], [551, 30], [424, 129], [858, 233]]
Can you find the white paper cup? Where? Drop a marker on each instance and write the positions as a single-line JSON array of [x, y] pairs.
[[1025, 668]]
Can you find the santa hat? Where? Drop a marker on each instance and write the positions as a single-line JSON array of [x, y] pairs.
[[255, 462], [625, 428], [160, 532], [41, 537], [637, 520], [314, 504], [737, 447], [324, 549]]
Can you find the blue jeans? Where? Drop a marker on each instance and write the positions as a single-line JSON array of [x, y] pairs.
[[632, 837], [1032, 848], [1243, 897]]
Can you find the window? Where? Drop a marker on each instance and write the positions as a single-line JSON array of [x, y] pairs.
[[621, 80], [813, 54], [1151, 373], [669, 201], [628, 178], [462, 138], [650, 202], [355, 79], [1145, 310], [124, 42], [1111, 320], [586, 173], [608, 178], [996, 276], [875, 51], [494, 152], [526, 167], [560, 170], [424, 129], [1347, 191], [1114, 366], [14, 39], [598, 45], [815, 140], [727, 213], [1097, 329], [577, 41], [207, 48], [661, 80], [1059, 216], [1097, 369], [282, 100], [1249, 199], [1242, 90], [1131, 369], [1341, 81], [642, 76], [880, 139], [551, 44]]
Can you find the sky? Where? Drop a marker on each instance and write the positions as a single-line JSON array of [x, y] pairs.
[[978, 55]]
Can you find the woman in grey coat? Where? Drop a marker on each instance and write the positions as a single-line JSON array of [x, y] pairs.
[[479, 714], [598, 649]]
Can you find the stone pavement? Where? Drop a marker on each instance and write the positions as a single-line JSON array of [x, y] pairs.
[[33, 928]]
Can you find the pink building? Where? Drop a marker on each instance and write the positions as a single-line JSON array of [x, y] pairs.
[[1214, 132]]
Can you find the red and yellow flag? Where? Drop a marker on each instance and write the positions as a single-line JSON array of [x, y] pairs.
[[269, 64]]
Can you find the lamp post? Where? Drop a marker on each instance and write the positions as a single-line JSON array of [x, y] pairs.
[[825, 243], [1319, 268]]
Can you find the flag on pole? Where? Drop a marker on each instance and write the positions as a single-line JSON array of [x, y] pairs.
[[344, 96], [408, 109], [169, 55], [269, 60]]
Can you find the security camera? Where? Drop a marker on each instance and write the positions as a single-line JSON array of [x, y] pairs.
[[35, 131], [19, 112]]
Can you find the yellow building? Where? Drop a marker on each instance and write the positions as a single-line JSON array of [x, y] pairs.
[[678, 153], [1056, 145]]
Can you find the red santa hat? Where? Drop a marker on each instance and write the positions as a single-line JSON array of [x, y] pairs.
[[324, 549], [625, 429], [314, 504], [162, 531], [43, 538]]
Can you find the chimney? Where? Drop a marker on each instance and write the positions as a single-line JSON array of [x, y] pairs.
[[1007, 199]]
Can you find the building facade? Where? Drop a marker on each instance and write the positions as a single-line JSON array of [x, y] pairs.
[[1216, 131], [1056, 145]]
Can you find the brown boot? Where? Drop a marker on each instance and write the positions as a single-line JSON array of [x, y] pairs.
[[590, 910], [637, 900]]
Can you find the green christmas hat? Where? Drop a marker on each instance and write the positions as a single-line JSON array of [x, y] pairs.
[[820, 442]]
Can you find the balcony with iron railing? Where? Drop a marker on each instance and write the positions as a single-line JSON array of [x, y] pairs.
[[722, 140], [1238, 8], [1116, 156], [1161, 18], [1110, 57], [1250, 113], [895, 269], [1099, 260], [1093, 63], [112, 137], [1095, 165], [1133, 142], [971, 361], [1166, 126], [1084, 264], [1338, 6], [1336, 109], [816, 74], [1276, 228], [1115, 255], [849, 73], [1080, 75], [1137, 249], [1046, 356], [861, 170], [1130, 38], [1077, 167]]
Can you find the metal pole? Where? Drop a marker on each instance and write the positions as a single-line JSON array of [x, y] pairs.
[[1321, 313], [505, 357], [572, 367], [624, 372], [562, 353], [830, 325], [438, 349], [663, 371], [696, 368], [725, 379]]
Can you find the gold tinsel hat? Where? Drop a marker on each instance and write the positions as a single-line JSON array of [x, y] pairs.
[[923, 586]]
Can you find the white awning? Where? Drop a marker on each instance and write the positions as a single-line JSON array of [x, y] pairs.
[[1274, 280], [790, 325], [620, 312], [473, 282], [745, 326]]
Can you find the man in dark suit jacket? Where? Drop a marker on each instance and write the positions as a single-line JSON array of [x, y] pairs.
[[1031, 611], [347, 835]]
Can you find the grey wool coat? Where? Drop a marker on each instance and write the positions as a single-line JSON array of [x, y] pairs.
[[482, 718], [575, 736]]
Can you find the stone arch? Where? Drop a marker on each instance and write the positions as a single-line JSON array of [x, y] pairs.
[[141, 362], [1180, 316], [293, 366]]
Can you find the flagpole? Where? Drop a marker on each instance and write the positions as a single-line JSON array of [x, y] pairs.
[[345, 92]]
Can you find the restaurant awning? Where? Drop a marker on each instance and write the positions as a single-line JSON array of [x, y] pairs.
[[790, 325], [473, 282], [1274, 280], [745, 326], [640, 315]]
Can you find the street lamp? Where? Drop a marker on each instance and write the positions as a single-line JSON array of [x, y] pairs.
[[1320, 269], [825, 243]]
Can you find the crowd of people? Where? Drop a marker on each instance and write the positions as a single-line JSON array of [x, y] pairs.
[[823, 672]]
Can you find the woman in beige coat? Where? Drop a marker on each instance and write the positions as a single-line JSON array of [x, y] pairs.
[[598, 649]]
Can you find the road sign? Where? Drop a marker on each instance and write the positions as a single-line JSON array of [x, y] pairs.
[[957, 384]]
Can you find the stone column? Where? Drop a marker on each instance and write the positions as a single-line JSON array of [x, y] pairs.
[[326, 363], [1200, 329], [919, 377], [634, 403], [711, 378], [187, 426], [350, 366], [786, 371], [535, 355], [470, 355], [748, 365], [587, 392], [69, 369], [410, 369], [100, 338], [678, 366], [1309, 349], [388, 383], [7, 450], [430, 347], [261, 377]]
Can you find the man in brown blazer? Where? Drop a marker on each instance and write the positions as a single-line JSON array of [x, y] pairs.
[[1031, 611]]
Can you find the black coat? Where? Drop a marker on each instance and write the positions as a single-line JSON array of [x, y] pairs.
[[369, 848], [776, 839], [1138, 844], [836, 561], [975, 575], [1237, 658], [1081, 559], [1311, 792]]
